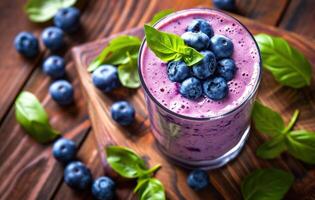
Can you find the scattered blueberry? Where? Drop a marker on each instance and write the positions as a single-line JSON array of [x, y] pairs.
[[198, 179], [26, 44], [191, 88], [103, 188], [54, 66], [200, 25], [206, 66], [77, 175], [123, 112], [62, 92], [228, 5], [53, 38], [105, 78], [68, 19], [177, 71], [221, 46], [215, 88], [64, 150], [198, 41], [226, 68]]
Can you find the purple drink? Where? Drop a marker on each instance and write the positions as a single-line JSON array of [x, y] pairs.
[[202, 133]]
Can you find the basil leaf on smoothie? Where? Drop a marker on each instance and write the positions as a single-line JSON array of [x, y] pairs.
[[150, 188], [128, 73], [31, 115], [169, 47], [288, 65], [266, 184], [159, 15], [273, 148]]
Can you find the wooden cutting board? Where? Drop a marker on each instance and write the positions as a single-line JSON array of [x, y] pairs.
[[225, 182]]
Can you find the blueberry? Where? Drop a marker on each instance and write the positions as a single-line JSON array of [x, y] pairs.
[[191, 88], [177, 71], [64, 150], [53, 38], [200, 25], [198, 179], [26, 44], [221, 46], [123, 112], [228, 5], [215, 88], [206, 67], [68, 19], [62, 92], [103, 188], [54, 66], [105, 78], [77, 175], [198, 41], [226, 68]]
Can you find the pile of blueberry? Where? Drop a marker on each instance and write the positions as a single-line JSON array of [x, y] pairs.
[[66, 20], [209, 76], [77, 175]]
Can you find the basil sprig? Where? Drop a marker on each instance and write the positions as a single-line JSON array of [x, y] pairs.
[[129, 165], [266, 184], [31, 115], [159, 15], [44, 10], [287, 64], [169, 47], [299, 143]]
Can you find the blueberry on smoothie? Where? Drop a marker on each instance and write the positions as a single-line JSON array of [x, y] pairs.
[[228, 5], [191, 88], [64, 150], [77, 175], [215, 88], [177, 71], [62, 92], [103, 188], [200, 25], [26, 44], [198, 41], [206, 67], [68, 19], [54, 66], [221, 46], [198, 179], [52, 38], [226, 68], [123, 113], [105, 78]]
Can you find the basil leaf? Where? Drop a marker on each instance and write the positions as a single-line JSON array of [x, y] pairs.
[[159, 15], [125, 162], [272, 148], [264, 184], [33, 118], [287, 64], [44, 10], [301, 144], [128, 73], [266, 120], [170, 47], [150, 189], [116, 51]]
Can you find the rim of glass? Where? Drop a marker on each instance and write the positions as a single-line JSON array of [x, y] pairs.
[[250, 96]]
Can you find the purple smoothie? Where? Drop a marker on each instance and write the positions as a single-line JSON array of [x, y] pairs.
[[201, 133]]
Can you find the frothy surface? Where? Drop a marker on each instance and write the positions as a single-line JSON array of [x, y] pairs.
[[245, 55]]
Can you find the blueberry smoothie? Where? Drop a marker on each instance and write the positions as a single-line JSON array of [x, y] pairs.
[[200, 115]]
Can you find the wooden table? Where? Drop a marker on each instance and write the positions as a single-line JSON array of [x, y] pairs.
[[27, 169]]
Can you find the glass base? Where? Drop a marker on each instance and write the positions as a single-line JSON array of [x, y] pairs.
[[210, 164]]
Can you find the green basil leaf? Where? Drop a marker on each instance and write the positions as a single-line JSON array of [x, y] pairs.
[[150, 189], [266, 120], [128, 73], [272, 148], [287, 64], [266, 184], [301, 144], [168, 47], [159, 15], [33, 118], [116, 51], [125, 162], [44, 10]]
